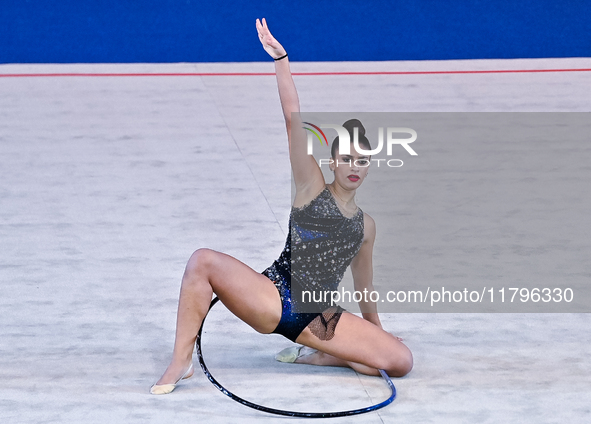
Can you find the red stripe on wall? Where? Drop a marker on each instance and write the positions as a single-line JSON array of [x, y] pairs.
[[225, 74]]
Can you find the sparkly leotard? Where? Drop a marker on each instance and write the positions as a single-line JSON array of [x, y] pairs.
[[321, 244]]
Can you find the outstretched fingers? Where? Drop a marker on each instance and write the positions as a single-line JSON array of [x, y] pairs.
[[260, 28], [270, 44], [263, 30]]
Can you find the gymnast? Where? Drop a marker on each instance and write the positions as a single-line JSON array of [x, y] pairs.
[[329, 232]]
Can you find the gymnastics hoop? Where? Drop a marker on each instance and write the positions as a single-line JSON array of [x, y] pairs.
[[280, 411]]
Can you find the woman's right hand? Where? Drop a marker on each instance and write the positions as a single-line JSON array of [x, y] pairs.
[[271, 46], [307, 176]]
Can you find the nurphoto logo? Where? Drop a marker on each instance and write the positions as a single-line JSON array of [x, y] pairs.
[[315, 132]]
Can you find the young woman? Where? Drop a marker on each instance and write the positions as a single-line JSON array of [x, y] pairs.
[[324, 213]]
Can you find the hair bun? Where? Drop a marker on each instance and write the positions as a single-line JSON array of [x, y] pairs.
[[352, 123]]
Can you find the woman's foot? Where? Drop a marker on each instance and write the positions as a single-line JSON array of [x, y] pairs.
[[309, 356], [294, 354], [170, 379]]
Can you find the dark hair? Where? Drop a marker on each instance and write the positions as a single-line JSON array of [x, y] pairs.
[[349, 125]]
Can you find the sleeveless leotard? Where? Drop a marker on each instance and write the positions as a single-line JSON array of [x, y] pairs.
[[321, 244]]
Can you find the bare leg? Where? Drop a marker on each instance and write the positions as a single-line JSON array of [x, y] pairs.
[[251, 296], [324, 359], [361, 345]]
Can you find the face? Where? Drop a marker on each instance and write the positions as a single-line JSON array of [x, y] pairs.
[[350, 170]]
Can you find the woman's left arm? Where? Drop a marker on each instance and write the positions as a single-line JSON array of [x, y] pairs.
[[362, 269]]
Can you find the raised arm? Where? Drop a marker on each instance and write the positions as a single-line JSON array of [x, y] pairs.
[[308, 178]]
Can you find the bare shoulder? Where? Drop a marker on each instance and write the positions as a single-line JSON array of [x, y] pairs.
[[369, 228]]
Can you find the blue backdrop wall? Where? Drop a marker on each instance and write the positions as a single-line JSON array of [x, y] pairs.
[[70, 31]]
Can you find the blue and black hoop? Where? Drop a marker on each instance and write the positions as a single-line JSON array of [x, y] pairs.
[[280, 411]]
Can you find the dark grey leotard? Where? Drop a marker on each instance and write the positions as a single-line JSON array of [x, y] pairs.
[[321, 244]]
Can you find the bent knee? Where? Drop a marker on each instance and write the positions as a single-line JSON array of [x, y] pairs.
[[201, 260], [399, 364], [405, 365]]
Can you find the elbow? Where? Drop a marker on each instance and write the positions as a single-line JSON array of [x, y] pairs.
[[289, 118]]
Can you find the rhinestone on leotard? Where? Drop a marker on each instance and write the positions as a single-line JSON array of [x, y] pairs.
[[317, 231]]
